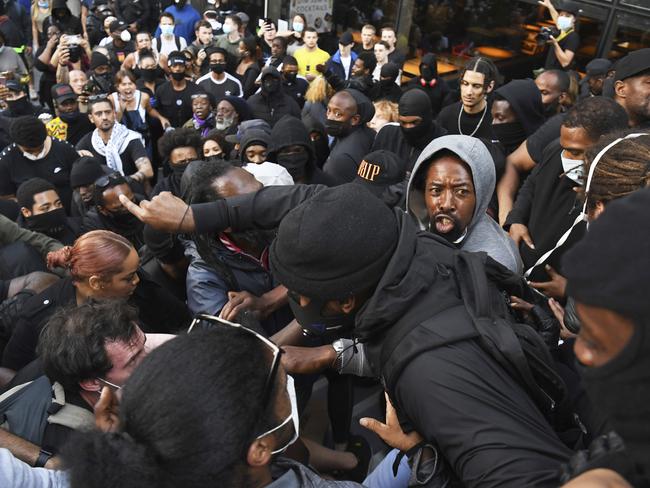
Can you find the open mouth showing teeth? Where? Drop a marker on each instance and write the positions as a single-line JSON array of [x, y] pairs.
[[444, 224]]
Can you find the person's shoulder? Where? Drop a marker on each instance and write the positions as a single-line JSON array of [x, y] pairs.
[[447, 110], [85, 141], [61, 145], [8, 153], [203, 79]]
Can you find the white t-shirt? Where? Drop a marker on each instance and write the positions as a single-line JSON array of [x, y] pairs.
[[168, 45], [346, 62]]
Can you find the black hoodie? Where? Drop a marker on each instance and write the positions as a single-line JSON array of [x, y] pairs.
[[290, 131], [273, 106], [68, 24], [436, 88]]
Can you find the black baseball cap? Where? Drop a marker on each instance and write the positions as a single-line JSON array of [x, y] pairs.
[[14, 85], [62, 92], [633, 64], [176, 57], [598, 67], [117, 26], [346, 38], [378, 170]]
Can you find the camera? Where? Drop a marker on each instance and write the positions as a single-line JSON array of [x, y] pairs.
[[75, 52], [545, 34]]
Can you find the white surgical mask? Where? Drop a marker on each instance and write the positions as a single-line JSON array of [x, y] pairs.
[[298, 26], [166, 29], [293, 416], [564, 23], [573, 169], [125, 35]]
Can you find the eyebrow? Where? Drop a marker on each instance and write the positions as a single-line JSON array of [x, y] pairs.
[[135, 356]]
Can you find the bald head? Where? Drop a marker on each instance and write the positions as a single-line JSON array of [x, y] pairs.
[[343, 108], [78, 80]]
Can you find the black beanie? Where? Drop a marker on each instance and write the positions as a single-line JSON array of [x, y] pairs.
[[98, 59], [610, 266], [85, 171], [335, 244], [28, 131], [415, 103], [389, 70]]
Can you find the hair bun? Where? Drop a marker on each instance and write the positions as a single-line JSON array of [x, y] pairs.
[[59, 258]]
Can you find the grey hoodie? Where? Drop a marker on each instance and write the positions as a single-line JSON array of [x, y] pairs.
[[483, 233]]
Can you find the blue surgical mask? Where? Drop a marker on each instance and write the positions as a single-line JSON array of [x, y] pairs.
[[564, 23], [293, 417], [573, 169], [298, 26], [227, 28], [167, 30], [43, 4]]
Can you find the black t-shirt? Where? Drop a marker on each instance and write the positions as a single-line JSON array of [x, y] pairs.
[[55, 167], [229, 86], [542, 137], [133, 151], [78, 129], [176, 105], [397, 58], [570, 43], [448, 118]]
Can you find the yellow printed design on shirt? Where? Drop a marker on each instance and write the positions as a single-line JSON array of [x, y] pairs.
[[57, 128]]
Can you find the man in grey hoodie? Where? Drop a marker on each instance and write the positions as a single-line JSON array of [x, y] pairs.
[[448, 193]]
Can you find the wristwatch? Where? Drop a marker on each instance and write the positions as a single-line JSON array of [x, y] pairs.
[[43, 457], [339, 347]]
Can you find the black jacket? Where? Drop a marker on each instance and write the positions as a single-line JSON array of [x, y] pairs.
[[547, 205], [347, 152], [131, 229], [438, 93], [272, 107]]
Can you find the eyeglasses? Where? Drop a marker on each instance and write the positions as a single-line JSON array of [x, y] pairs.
[[216, 321], [109, 180]]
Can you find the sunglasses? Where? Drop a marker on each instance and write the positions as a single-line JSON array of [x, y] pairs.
[[109, 180], [205, 321], [98, 98]]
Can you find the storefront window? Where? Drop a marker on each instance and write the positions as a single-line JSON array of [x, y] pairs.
[[630, 35]]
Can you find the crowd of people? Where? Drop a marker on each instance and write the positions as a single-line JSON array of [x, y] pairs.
[[202, 219]]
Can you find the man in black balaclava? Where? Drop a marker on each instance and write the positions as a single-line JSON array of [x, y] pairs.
[[318, 137], [63, 19], [18, 101], [180, 147], [85, 171], [517, 112], [348, 112], [271, 103], [435, 87], [386, 88], [41, 211], [101, 73], [610, 288], [291, 147], [417, 129]]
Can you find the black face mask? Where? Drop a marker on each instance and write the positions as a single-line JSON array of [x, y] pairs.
[[321, 149], [51, 223], [290, 77], [71, 117], [510, 134], [619, 389], [178, 76], [104, 82], [386, 84], [426, 73], [217, 68], [22, 106], [295, 164], [336, 128], [181, 4], [314, 323], [124, 222], [148, 74], [417, 136], [271, 85]]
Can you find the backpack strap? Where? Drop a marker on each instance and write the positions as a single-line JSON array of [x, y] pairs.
[[67, 415], [177, 40]]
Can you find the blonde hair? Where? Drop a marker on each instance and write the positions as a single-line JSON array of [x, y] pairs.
[[319, 90], [387, 110]]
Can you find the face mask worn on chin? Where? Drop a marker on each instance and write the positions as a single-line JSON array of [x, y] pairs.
[[22, 106], [50, 223], [336, 128], [415, 135], [573, 169], [44, 152], [217, 68], [564, 23], [456, 236], [271, 86], [125, 35], [314, 323], [510, 134], [293, 417]]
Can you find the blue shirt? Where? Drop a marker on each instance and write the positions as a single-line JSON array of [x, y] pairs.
[[185, 19]]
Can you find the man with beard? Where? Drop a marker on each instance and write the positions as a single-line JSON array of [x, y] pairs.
[[517, 112], [291, 148], [348, 112], [610, 289], [229, 271], [416, 129], [180, 147], [632, 86], [70, 124], [34, 154], [435, 87], [448, 193], [272, 103], [203, 118], [554, 86], [597, 70], [109, 213], [471, 116], [85, 171], [41, 211], [230, 112], [174, 97]]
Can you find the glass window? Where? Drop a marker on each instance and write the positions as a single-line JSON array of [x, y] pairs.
[[631, 34]]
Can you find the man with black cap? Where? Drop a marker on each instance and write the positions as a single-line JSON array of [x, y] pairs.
[[271, 103], [35, 154], [435, 87], [218, 82], [101, 74], [342, 60], [85, 171], [18, 102], [293, 85], [120, 45], [63, 19], [632, 86], [416, 129], [70, 124], [291, 148], [41, 211], [382, 174], [174, 97], [592, 84], [564, 46], [348, 112], [386, 88], [607, 276], [396, 290]]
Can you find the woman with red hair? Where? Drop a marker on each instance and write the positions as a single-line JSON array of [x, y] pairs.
[[101, 265]]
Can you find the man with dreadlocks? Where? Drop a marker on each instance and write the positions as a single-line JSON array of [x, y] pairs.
[[229, 271]]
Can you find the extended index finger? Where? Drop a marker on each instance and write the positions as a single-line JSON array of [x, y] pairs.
[[133, 207]]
